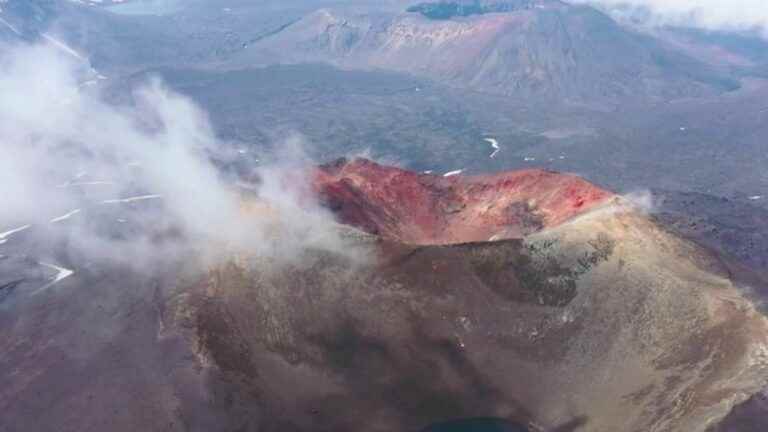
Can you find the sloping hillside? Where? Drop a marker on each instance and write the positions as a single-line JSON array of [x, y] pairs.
[[543, 48]]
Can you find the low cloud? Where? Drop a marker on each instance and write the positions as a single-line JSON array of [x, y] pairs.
[[642, 200], [706, 14], [147, 165]]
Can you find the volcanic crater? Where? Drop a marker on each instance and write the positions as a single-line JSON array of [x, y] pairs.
[[416, 208], [531, 297]]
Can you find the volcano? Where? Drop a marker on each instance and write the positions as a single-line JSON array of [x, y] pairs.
[[522, 301], [531, 297]]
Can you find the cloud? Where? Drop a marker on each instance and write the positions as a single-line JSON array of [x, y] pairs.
[[64, 149], [707, 14], [643, 201]]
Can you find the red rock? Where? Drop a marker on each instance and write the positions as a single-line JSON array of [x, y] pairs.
[[427, 209]]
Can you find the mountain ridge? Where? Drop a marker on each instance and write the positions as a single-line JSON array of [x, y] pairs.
[[553, 49]]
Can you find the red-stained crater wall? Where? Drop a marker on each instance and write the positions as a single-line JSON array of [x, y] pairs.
[[426, 209]]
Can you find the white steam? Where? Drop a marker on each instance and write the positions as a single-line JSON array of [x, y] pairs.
[[63, 147], [642, 200], [706, 14]]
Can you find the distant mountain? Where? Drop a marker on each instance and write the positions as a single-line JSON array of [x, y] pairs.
[[536, 47]]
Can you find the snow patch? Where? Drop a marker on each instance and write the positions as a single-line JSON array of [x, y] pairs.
[[91, 183], [132, 199], [4, 236], [11, 27], [62, 273], [62, 46], [495, 144], [453, 173], [66, 216]]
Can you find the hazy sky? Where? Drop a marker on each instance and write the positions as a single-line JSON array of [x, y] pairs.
[[710, 14]]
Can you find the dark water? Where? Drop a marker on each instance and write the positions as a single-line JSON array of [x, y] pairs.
[[476, 425]]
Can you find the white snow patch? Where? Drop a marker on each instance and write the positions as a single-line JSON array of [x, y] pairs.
[[529, 159], [755, 197], [453, 173], [90, 183], [7, 24], [132, 199], [66, 216], [62, 273], [567, 317], [4, 236], [427, 172], [62, 46], [495, 144]]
